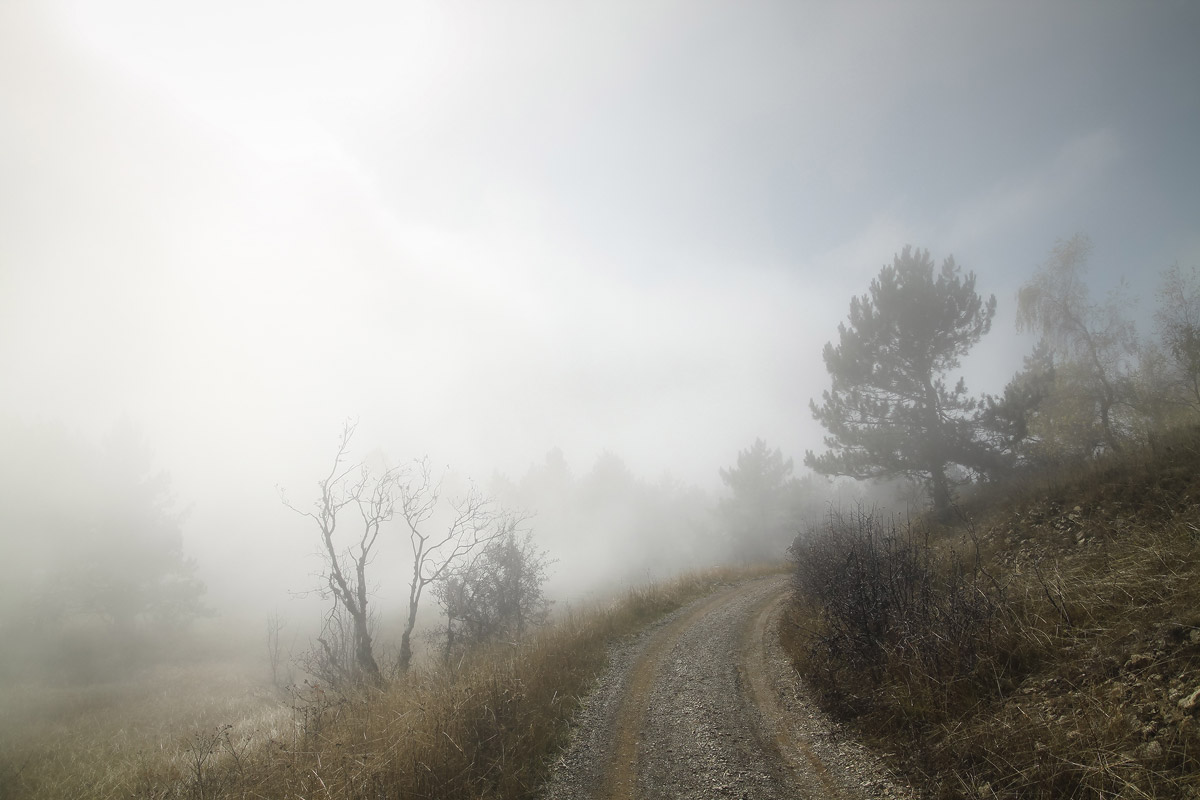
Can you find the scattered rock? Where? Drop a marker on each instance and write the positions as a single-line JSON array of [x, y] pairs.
[[1150, 751], [1138, 660], [1190, 703]]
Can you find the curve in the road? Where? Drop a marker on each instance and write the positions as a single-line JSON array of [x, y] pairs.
[[792, 745], [704, 705], [631, 718]]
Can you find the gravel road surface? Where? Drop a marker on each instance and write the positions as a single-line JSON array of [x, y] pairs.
[[703, 704]]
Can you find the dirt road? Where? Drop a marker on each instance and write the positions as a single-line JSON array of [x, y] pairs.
[[703, 704]]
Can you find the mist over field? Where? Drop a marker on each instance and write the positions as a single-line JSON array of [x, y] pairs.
[[577, 256]]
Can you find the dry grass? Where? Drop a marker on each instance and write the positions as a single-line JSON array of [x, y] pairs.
[[89, 741], [486, 726], [1082, 685]]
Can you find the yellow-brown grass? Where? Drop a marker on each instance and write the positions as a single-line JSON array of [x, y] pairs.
[[1081, 688], [484, 727]]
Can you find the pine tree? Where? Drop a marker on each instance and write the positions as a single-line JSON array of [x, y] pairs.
[[890, 411], [761, 511], [1010, 420]]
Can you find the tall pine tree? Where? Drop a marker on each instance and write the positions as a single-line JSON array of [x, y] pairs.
[[890, 411], [761, 512]]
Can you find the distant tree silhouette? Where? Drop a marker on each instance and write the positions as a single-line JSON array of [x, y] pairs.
[[133, 569], [608, 526], [890, 411], [439, 539], [1178, 323], [495, 595], [111, 552], [761, 513]]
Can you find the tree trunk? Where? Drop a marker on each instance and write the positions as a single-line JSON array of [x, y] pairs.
[[941, 492], [363, 651], [1108, 395], [449, 638], [405, 659], [935, 442], [1106, 404]]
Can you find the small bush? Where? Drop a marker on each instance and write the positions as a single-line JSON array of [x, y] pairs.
[[886, 602]]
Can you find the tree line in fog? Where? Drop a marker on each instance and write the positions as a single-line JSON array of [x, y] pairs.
[[97, 573]]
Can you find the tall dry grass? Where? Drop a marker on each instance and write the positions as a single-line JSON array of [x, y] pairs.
[[486, 725]]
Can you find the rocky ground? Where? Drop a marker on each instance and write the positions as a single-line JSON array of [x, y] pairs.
[[703, 705]]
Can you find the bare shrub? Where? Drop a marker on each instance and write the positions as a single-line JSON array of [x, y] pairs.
[[333, 658], [887, 601]]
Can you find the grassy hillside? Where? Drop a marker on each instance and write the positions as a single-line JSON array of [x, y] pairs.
[[482, 727], [1045, 645]]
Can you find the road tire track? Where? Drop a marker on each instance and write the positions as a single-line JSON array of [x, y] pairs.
[[703, 705]]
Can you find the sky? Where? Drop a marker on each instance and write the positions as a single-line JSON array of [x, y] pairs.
[[486, 230]]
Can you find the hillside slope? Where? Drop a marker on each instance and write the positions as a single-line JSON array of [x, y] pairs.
[[1045, 645]]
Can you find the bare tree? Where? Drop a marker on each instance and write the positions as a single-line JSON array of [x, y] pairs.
[[1178, 322], [475, 520], [333, 659], [280, 678], [373, 496], [1098, 338]]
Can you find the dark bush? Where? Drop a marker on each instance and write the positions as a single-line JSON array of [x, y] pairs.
[[885, 599]]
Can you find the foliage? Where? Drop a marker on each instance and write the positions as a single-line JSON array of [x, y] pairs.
[[497, 595], [1178, 323], [1063, 428], [1096, 339], [1009, 419], [762, 513], [890, 411], [1157, 395]]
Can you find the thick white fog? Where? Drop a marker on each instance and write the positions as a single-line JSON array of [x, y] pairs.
[[487, 231]]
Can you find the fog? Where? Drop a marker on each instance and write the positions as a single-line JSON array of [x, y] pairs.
[[620, 233]]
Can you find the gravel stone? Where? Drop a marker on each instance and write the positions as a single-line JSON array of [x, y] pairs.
[[705, 705]]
